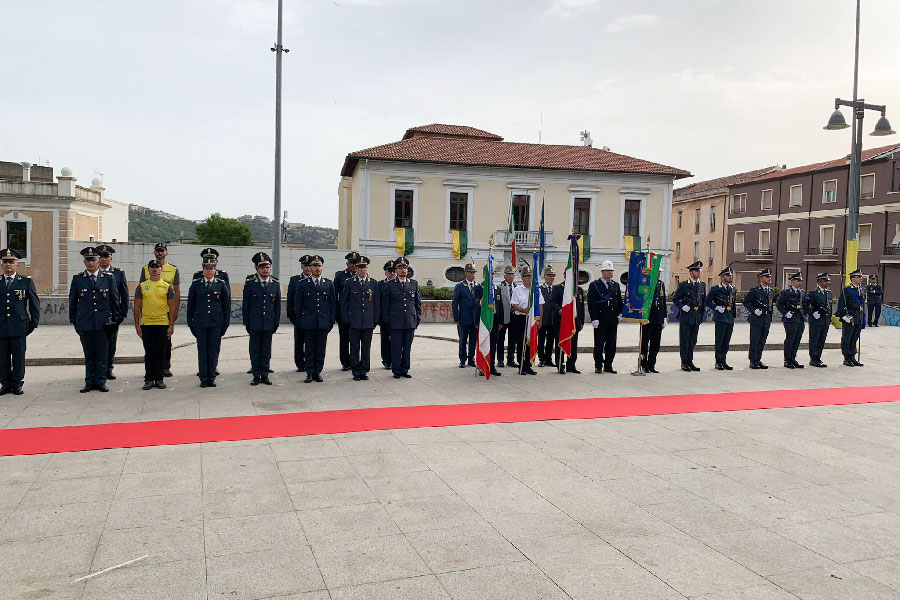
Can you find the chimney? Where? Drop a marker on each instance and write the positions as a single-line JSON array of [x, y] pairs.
[[26, 171]]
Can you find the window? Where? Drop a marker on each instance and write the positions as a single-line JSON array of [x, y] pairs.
[[764, 239], [738, 241], [867, 186], [796, 198], [829, 191], [696, 251], [865, 236], [455, 274], [581, 216], [712, 253], [677, 249], [826, 239], [739, 203], [17, 237], [520, 212], [697, 220], [679, 219], [767, 199], [403, 208], [459, 202], [793, 240], [677, 280], [712, 218], [632, 217]]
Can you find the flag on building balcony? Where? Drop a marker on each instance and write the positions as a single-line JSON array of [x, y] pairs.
[[643, 273], [534, 314], [584, 247], [542, 239], [404, 239], [567, 315], [486, 323], [632, 244], [460, 243]]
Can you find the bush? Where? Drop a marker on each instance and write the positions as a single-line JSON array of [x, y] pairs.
[[430, 292]]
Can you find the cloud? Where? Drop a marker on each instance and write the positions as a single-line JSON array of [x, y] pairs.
[[631, 22], [568, 8]]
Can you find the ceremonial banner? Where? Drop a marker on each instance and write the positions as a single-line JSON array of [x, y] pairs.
[[643, 274], [404, 239], [584, 247], [542, 240], [534, 313], [567, 322], [632, 244], [486, 323], [460, 243]]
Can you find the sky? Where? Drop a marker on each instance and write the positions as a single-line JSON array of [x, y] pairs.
[[173, 100]]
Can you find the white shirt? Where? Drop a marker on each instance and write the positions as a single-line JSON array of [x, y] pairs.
[[520, 296]]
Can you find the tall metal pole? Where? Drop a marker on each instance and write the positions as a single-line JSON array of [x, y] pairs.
[[852, 246], [278, 49]]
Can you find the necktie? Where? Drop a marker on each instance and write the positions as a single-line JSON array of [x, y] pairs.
[[208, 285], [93, 279]]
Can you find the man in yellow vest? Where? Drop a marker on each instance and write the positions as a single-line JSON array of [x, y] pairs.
[[171, 276], [155, 305]]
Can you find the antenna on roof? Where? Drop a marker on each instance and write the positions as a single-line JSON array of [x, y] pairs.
[[586, 138], [97, 172]]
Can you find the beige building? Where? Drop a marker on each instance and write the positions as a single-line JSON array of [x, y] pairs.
[[699, 227], [39, 217], [441, 178]]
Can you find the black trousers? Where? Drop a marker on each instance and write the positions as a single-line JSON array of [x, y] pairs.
[[651, 336], [112, 336], [793, 333], [12, 361], [758, 336], [154, 340], [516, 338], [344, 344], [817, 335], [849, 338], [548, 338], [874, 313], [314, 341], [500, 345], [723, 339], [360, 349], [209, 342], [260, 352], [168, 355], [299, 341], [385, 345], [605, 344], [401, 344], [468, 338], [94, 345], [687, 340], [570, 359]]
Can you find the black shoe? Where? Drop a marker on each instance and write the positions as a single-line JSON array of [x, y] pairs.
[[148, 385], [598, 370], [573, 370], [496, 373], [396, 376], [719, 367], [356, 378], [317, 378], [726, 366], [558, 372], [652, 369], [167, 373], [345, 368], [512, 364], [530, 371], [407, 375], [686, 367], [817, 363], [480, 373], [211, 383], [269, 371], [255, 381], [500, 365], [265, 380], [160, 385], [86, 389], [363, 377], [110, 376], [693, 366], [856, 363], [849, 363], [217, 373], [5, 390], [788, 364], [203, 383], [17, 391], [101, 388], [541, 364], [250, 372], [462, 365], [760, 364], [613, 371], [471, 363], [797, 365], [308, 379], [387, 366]]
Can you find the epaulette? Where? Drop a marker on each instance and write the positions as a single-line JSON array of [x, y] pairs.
[[27, 276], [249, 277], [196, 278], [325, 279], [118, 269], [274, 279], [105, 274], [222, 271]]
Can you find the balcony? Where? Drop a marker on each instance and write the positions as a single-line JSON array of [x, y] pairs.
[[760, 255], [822, 255], [891, 251], [890, 255], [525, 240]]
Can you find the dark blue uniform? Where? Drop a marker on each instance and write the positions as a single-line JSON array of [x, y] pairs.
[[790, 302], [851, 304], [817, 302], [604, 303], [23, 311], [261, 311], [384, 330], [112, 328], [220, 274], [317, 308], [692, 295], [299, 357], [651, 332], [92, 305], [759, 299], [208, 317], [466, 309], [874, 298], [722, 301], [360, 310], [401, 308], [343, 330]]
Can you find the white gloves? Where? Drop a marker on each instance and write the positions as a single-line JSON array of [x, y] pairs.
[[720, 309], [816, 315], [686, 308], [596, 324], [846, 318], [789, 314], [758, 312]]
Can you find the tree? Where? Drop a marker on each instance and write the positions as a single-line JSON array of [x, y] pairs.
[[221, 231]]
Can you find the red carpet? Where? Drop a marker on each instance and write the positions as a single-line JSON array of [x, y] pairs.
[[44, 440]]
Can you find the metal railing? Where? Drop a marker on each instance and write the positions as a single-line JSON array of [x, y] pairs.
[[759, 252], [524, 239], [821, 251], [892, 250]]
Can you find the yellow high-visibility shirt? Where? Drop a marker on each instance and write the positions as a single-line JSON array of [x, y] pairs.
[[154, 297]]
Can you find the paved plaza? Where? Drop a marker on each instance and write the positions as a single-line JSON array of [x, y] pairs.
[[751, 505]]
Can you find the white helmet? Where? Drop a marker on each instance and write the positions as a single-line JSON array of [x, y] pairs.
[[607, 266]]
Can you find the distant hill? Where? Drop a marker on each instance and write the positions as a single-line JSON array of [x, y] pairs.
[[148, 225]]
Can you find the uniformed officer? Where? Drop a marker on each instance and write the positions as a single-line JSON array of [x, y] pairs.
[[384, 327], [604, 302], [758, 301], [817, 304], [466, 309], [172, 276], [211, 255], [93, 299], [690, 298], [23, 311], [343, 330], [790, 305], [361, 310], [722, 300], [578, 300], [651, 331], [874, 298], [261, 311], [208, 317], [851, 309], [293, 283], [316, 303], [521, 301], [105, 252], [503, 319], [548, 333], [401, 307]]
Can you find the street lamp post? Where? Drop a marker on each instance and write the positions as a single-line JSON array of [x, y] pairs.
[[278, 49]]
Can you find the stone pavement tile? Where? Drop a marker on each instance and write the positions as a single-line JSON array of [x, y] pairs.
[[316, 469], [795, 464], [425, 587], [839, 582], [22, 469], [639, 427], [473, 545], [765, 510], [246, 501], [347, 523], [617, 446], [878, 527], [369, 444], [722, 438], [31, 562], [520, 528], [241, 452], [48, 521], [387, 463], [599, 465], [538, 431], [515, 581], [488, 432], [883, 494], [885, 571], [766, 479], [699, 516], [56, 587], [305, 448], [94, 463], [762, 551], [708, 484], [163, 458], [185, 580], [824, 502], [425, 435], [164, 543], [661, 463], [838, 542], [126, 513], [263, 574], [158, 483], [359, 561], [505, 495], [457, 461], [407, 485], [649, 489], [236, 535], [757, 592], [587, 429], [433, 512], [671, 441], [682, 423], [251, 473], [332, 492], [715, 458], [317, 595], [622, 521], [859, 447], [686, 564], [11, 494]]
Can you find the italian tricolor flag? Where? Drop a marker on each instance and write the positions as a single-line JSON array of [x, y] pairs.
[[567, 322], [534, 315], [486, 323]]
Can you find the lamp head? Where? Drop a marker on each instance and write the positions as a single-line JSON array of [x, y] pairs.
[[883, 127], [836, 121]]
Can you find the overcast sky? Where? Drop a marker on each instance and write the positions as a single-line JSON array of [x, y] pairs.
[[173, 100]]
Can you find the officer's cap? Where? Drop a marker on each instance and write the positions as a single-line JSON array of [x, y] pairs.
[[823, 277], [304, 260], [209, 264], [509, 269], [105, 250], [89, 253], [548, 270], [363, 261], [316, 261], [261, 259], [469, 268], [154, 264], [695, 266], [352, 257], [209, 253], [389, 266], [525, 271], [9, 255], [856, 273], [873, 276], [796, 277], [401, 262], [726, 271], [764, 273], [160, 246]]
